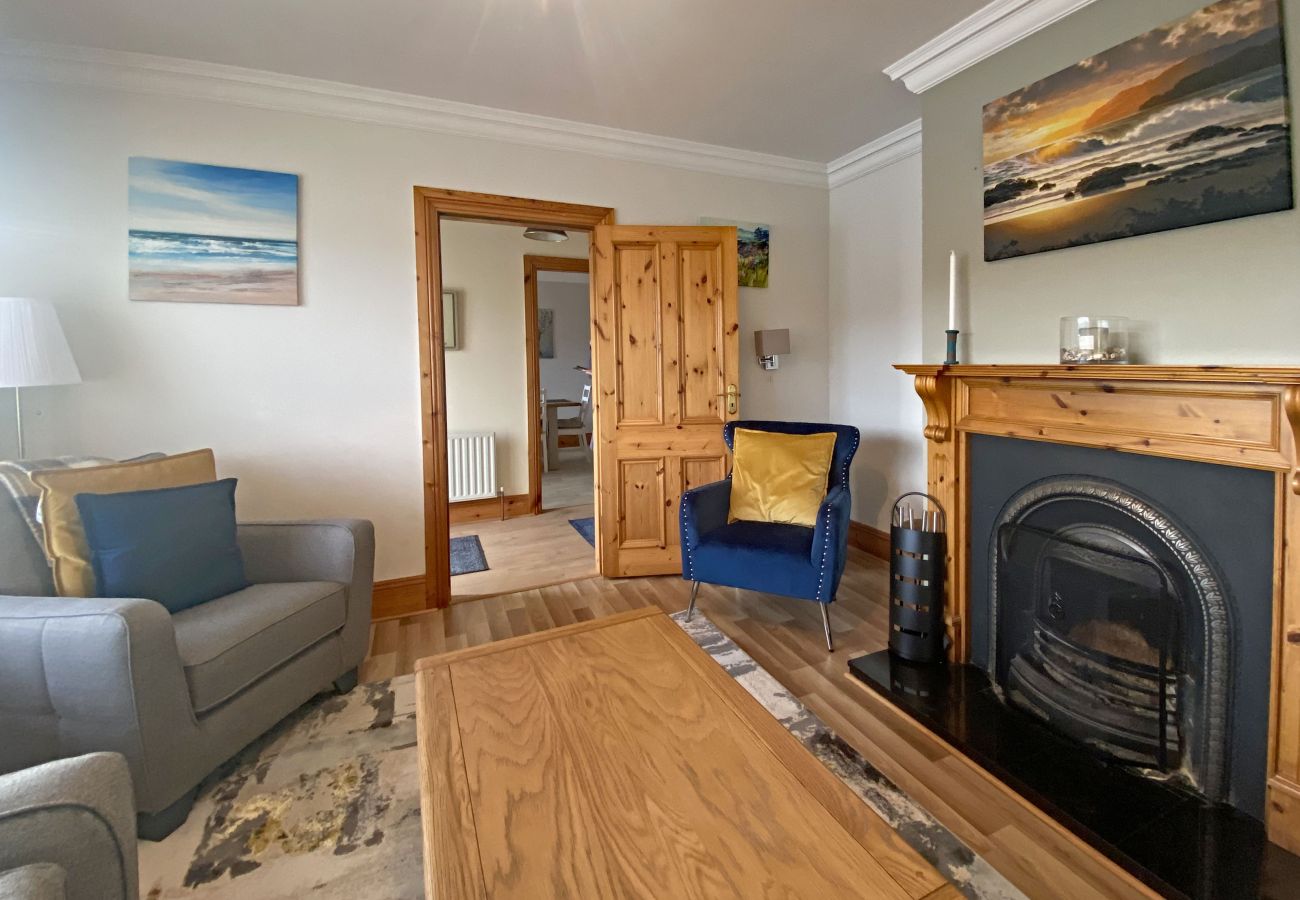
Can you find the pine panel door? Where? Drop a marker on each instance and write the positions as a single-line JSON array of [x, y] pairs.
[[666, 341]]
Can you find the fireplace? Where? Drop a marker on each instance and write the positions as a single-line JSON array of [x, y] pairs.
[[1109, 622], [1123, 608], [1125, 601]]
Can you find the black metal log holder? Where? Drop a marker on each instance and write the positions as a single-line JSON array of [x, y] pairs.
[[917, 549]]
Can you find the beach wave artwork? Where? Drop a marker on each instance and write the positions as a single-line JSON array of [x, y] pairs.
[[212, 234]]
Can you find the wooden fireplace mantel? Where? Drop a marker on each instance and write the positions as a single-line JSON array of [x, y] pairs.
[[1231, 415]]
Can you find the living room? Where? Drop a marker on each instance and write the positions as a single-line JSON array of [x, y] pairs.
[[228, 236]]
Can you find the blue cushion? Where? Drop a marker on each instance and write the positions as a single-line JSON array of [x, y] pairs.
[[765, 556], [174, 545]]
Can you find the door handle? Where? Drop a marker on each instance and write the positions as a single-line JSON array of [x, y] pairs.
[[732, 395]]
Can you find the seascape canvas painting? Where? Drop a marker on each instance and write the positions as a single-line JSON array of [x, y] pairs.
[[752, 245], [212, 234], [1183, 125]]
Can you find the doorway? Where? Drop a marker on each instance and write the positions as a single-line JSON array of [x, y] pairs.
[[434, 207], [517, 362], [557, 306], [665, 342]]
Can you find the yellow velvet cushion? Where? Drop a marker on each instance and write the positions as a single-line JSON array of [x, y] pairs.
[[779, 477], [65, 540]]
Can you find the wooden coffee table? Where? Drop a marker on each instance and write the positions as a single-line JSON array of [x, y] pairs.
[[614, 758]]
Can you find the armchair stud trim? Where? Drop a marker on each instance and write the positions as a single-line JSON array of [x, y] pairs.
[[826, 546], [686, 548]]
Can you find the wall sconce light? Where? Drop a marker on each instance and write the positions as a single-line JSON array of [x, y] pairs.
[[770, 346]]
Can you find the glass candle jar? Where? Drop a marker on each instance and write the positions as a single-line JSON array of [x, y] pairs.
[[1094, 339]]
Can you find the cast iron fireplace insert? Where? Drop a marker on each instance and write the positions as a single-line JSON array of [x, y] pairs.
[[1110, 623], [1091, 641]]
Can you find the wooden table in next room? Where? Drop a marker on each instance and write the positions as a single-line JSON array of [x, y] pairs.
[[614, 758], [553, 408]]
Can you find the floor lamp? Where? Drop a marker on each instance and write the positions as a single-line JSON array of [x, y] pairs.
[[33, 352]]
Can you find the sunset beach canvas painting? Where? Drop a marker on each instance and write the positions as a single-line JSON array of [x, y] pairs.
[[1184, 125], [212, 234]]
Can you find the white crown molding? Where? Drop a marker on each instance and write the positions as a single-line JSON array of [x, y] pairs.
[[975, 38], [885, 150], [193, 80]]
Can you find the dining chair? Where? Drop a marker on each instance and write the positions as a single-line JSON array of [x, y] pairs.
[[541, 432], [579, 424]]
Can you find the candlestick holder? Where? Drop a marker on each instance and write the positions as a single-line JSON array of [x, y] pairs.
[[952, 347]]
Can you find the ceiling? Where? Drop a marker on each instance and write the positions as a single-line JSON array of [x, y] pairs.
[[797, 79]]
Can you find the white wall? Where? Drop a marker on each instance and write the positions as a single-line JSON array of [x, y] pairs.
[[875, 311], [316, 408], [487, 386], [8, 436], [571, 301]]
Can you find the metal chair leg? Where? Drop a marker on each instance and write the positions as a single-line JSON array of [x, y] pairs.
[[826, 626], [695, 591]]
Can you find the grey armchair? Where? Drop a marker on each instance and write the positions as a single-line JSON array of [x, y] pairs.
[[67, 831], [179, 694]]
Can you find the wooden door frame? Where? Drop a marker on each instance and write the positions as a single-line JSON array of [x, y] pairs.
[[430, 205], [533, 264]]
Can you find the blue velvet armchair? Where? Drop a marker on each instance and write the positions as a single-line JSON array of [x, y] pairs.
[[791, 560]]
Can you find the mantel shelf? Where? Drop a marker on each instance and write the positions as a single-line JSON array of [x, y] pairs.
[[1237, 374]]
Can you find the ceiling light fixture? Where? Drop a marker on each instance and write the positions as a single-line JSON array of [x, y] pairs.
[[553, 235]]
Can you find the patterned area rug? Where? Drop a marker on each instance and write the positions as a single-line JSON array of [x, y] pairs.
[[328, 804], [467, 555]]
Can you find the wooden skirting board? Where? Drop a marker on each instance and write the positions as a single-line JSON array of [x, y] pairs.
[[490, 508], [869, 538], [397, 597]]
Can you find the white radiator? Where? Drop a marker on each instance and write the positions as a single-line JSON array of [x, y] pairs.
[[471, 465]]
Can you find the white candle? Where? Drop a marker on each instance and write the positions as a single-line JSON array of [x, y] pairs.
[[952, 291]]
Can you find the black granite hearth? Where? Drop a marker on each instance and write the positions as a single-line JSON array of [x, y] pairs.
[[1174, 841]]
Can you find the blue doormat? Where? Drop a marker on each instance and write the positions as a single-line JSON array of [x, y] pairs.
[[467, 555], [585, 527]]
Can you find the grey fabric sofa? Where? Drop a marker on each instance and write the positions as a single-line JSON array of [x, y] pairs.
[[178, 695], [67, 831]]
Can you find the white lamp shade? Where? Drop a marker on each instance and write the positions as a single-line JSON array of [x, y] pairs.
[[33, 350]]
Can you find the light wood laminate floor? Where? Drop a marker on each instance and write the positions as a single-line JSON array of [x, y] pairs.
[[570, 482], [526, 552], [784, 636]]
